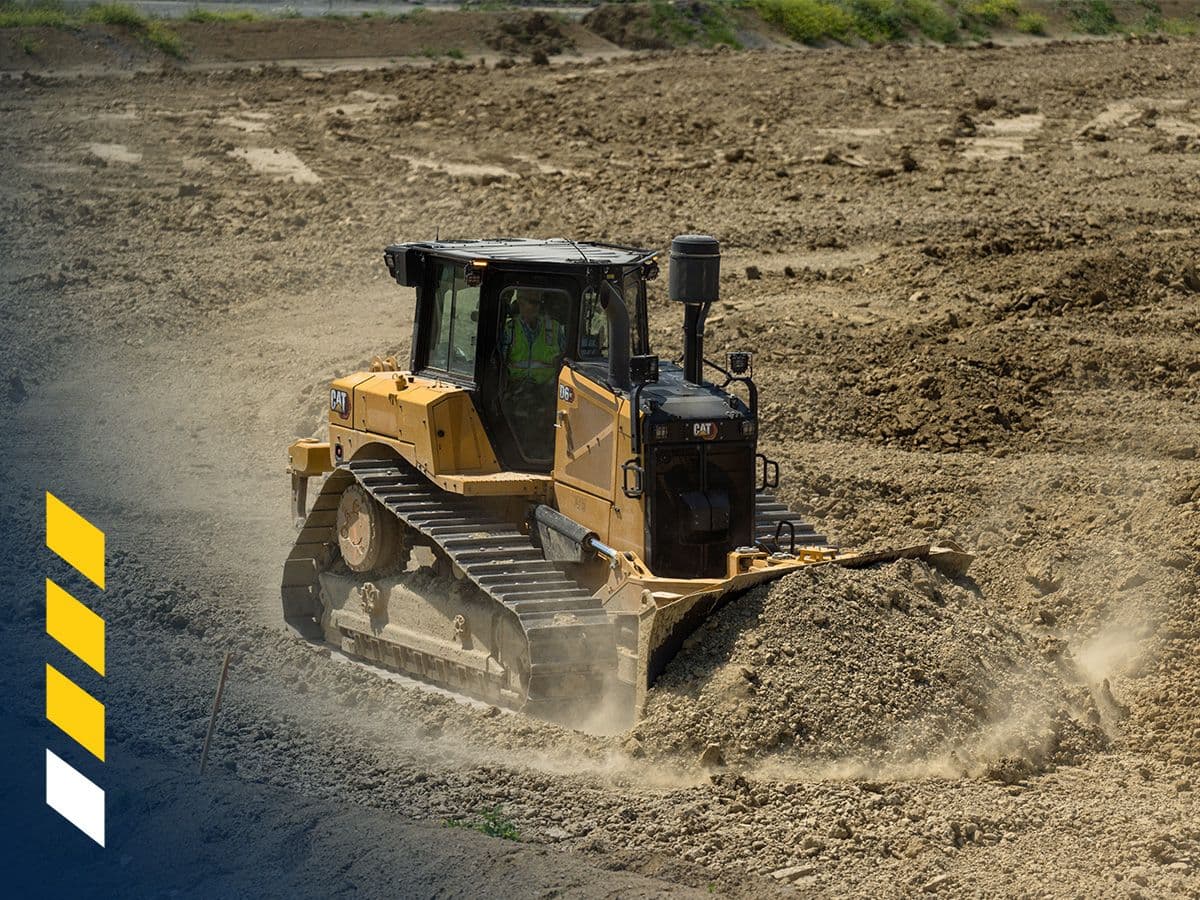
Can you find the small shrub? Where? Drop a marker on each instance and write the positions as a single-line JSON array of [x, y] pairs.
[[932, 20], [165, 39], [491, 822], [31, 46], [1031, 23], [808, 21], [992, 12], [1092, 16]]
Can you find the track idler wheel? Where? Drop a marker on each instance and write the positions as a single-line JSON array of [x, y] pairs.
[[368, 535]]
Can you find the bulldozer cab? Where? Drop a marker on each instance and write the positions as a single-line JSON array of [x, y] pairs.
[[501, 318]]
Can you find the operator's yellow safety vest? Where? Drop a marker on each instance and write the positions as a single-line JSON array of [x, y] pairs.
[[533, 361]]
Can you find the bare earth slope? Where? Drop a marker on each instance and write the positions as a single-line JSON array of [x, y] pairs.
[[970, 280]]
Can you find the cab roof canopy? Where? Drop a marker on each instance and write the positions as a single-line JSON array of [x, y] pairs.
[[554, 251]]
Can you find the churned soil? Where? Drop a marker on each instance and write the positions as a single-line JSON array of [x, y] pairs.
[[969, 277]]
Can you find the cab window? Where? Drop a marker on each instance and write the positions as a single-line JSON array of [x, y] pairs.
[[453, 322]]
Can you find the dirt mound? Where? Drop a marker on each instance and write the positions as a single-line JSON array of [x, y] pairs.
[[626, 25], [529, 33], [660, 26], [892, 670]]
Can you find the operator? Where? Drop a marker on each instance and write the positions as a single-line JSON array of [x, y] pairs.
[[532, 347], [533, 344]]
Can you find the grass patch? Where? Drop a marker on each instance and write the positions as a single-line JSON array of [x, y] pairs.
[[115, 14], [33, 15], [875, 21], [196, 14], [1091, 16], [1155, 22], [992, 12], [165, 39], [1031, 23], [491, 822]]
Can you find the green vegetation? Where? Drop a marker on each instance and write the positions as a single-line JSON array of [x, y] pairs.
[[1154, 21], [31, 47], [875, 21], [992, 12], [47, 14], [115, 14], [705, 24], [165, 39], [51, 13], [196, 14], [1031, 23], [1091, 16], [491, 822]]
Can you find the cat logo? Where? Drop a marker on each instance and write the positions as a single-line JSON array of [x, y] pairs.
[[704, 430], [339, 402]]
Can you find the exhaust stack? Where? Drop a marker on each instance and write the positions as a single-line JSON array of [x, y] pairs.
[[695, 281]]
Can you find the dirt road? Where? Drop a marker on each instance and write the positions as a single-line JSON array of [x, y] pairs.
[[970, 280]]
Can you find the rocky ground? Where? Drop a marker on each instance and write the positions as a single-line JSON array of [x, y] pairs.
[[970, 278]]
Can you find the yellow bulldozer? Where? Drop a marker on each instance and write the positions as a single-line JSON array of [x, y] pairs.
[[538, 511]]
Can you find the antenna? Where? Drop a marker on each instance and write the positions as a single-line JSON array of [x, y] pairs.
[[437, 233], [577, 250]]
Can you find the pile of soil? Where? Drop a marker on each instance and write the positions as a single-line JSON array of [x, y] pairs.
[[627, 25], [536, 34], [893, 669]]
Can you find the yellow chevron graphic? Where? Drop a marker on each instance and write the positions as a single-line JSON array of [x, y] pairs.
[[75, 539], [80, 715], [75, 711], [74, 626]]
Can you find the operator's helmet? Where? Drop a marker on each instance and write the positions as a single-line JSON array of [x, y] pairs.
[[527, 295]]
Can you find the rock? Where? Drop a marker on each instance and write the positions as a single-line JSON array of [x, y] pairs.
[[936, 884], [1043, 576], [907, 161], [1182, 451], [313, 76], [792, 873], [735, 154], [1137, 579], [1191, 278], [711, 757], [753, 273]]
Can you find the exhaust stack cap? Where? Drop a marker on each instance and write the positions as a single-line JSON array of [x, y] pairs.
[[695, 269]]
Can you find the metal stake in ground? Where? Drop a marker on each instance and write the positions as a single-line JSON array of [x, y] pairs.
[[212, 720]]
